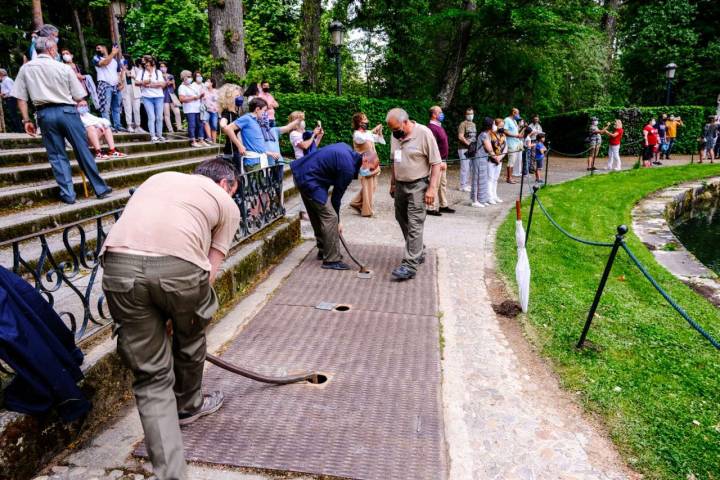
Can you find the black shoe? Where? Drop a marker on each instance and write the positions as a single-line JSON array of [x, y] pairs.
[[593, 168], [421, 260], [447, 210], [67, 201], [335, 266], [657, 163], [105, 194], [403, 273], [320, 255], [434, 213], [211, 404]]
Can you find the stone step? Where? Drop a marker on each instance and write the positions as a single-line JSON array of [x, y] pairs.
[[21, 195], [37, 173], [45, 217], [24, 156], [10, 141]]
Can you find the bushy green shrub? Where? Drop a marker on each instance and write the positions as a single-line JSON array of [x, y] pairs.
[[568, 131], [336, 113]]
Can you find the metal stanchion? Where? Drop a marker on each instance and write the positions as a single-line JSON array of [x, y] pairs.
[[547, 163], [621, 231], [530, 215]]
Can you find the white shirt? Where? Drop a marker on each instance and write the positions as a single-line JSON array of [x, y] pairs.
[[47, 81], [6, 86], [295, 140], [108, 73], [192, 90], [367, 136], [155, 76]]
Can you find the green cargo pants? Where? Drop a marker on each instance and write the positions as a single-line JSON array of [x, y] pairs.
[[142, 294], [410, 213], [324, 221]]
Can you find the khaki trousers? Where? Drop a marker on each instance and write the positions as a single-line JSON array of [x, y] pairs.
[[364, 200], [324, 221], [142, 294], [410, 214], [441, 197]]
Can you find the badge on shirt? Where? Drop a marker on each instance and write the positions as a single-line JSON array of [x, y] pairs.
[[398, 156]]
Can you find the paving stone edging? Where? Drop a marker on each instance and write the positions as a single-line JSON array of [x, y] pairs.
[[27, 443], [654, 214]]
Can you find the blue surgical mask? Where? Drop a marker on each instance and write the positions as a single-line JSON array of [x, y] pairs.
[[364, 172], [239, 101], [83, 110], [441, 117], [517, 118]]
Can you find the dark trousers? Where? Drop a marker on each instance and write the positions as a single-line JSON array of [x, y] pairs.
[[195, 126], [142, 294], [410, 213], [324, 221], [60, 122], [671, 143], [13, 117]]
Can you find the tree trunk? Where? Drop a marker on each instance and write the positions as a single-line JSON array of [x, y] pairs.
[[37, 14], [457, 60], [310, 42], [227, 38], [609, 25], [81, 37]]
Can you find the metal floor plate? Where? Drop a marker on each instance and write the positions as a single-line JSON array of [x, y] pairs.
[[380, 414]]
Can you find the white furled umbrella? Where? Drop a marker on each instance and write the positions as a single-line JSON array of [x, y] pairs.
[[522, 269]]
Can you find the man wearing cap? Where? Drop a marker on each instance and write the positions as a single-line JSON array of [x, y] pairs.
[[414, 184], [332, 166], [6, 86], [54, 89]]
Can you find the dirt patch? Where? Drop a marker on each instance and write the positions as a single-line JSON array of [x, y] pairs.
[[508, 308]]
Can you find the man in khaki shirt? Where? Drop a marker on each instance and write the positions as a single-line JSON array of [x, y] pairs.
[[54, 90], [160, 260], [414, 184]]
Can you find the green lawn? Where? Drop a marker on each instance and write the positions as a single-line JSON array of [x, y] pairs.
[[652, 379]]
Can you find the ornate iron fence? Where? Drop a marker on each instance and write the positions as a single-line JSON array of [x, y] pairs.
[[62, 263]]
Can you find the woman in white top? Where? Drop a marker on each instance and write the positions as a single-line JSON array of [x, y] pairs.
[[191, 95], [151, 83], [364, 140], [297, 136]]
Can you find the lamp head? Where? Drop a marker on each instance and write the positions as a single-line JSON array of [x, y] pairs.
[[337, 33]]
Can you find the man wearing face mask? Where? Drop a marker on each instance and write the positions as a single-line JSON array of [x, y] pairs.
[[332, 166], [54, 90], [255, 131], [413, 184], [109, 76], [435, 125], [270, 100], [160, 261], [467, 133], [514, 144]]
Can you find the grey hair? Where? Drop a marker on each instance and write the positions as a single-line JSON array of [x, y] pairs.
[[398, 114], [43, 44], [47, 30], [217, 169], [3, 72]]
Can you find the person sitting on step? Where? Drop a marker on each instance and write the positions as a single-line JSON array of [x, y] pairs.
[[96, 128]]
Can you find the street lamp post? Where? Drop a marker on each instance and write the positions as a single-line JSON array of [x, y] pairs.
[[669, 74], [337, 36]]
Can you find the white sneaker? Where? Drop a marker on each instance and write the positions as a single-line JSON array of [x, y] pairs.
[[466, 189], [139, 130], [162, 139], [492, 202], [155, 140], [498, 200], [197, 145], [478, 204], [131, 130]]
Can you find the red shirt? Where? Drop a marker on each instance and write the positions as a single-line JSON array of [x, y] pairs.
[[616, 139], [441, 138], [652, 134]]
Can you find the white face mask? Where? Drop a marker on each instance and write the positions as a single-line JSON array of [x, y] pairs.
[[67, 58], [188, 81], [494, 128], [198, 79], [469, 118]]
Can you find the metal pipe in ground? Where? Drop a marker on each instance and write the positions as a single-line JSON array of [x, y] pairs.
[[364, 272]]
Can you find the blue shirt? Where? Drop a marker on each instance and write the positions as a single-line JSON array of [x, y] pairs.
[[273, 146], [251, 133], [539, 154], [514, 144], [331, 166]]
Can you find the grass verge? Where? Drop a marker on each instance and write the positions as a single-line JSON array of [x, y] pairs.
[[652, 379]]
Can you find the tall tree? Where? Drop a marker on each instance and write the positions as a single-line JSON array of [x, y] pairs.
[[227, 38], [81, 39], [457, 60], [310, 42], [37, 15]]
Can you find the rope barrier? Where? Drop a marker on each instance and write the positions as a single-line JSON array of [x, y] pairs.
[[565, 232], [672, 302]]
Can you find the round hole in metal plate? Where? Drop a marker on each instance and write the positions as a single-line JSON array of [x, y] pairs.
[[342, 308], [318, 379]]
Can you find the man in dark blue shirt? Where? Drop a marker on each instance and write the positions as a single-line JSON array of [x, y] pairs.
[[332, 166]]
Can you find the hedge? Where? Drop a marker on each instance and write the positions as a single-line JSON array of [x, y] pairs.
[[567, 132], [336, 113]]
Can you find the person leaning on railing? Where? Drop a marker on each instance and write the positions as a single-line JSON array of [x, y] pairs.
[[160, 260]]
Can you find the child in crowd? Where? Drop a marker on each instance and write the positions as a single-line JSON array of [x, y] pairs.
[[539, 150], [97, 128]]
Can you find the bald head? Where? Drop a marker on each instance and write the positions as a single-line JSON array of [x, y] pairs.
[[398, 115]]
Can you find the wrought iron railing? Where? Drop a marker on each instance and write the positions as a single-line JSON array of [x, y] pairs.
[[62, 263]]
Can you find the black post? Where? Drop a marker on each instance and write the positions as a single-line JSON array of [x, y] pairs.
[[338, 72], [669, 89], [547, 163], [530, 215], [621, 231]]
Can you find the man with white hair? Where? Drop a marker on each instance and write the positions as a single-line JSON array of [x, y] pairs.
[[54, 89], [413, 185], [6, 85]]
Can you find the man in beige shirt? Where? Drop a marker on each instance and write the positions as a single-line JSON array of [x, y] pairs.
[[54, 90], [160, 261], [414, 184]]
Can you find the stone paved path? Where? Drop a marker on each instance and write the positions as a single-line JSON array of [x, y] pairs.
[[505, 414]]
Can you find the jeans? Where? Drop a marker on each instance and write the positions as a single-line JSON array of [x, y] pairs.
[[194, 126], [154, 108], [464, 168], [671, 143], [60, 122], [111, 105], [213, 121]]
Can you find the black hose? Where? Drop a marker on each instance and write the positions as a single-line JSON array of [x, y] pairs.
[[304, 377], [362, 267]]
